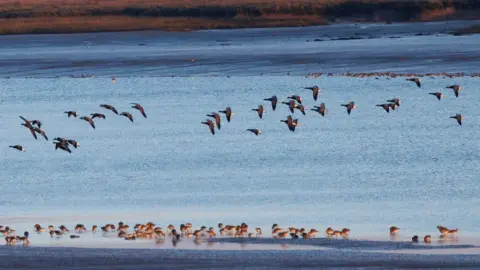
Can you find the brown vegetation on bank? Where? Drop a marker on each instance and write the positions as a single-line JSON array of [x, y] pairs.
[[66, 16]]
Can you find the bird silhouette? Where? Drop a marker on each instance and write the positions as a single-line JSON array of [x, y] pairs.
[[273, 100], [211, 125], [259, 110], [439, 95], [459, 118], [227, 112], [315, 91], [140, 108], [350, 106], [89, 120], [254, 131], [416, 81]]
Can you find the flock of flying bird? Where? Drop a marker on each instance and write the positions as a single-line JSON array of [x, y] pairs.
[[35, 126], [295, 102]]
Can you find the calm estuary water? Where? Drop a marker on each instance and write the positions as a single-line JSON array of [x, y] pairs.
[[414, 168]]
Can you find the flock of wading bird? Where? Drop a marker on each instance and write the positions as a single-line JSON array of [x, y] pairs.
[[151, 231], [294, 102], [35, 126]]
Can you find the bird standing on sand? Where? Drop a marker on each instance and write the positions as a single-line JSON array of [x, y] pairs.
[[459, 118], [140, 108], [259, 110], [128, 115], [18, 147], [427, 239], [273, 100], [415, 80], [89, 120], [320, 109], [71, 113], [228, 113], [456, 88], [437, 94], [217, 118], [350, 106], [394, 230], [109, 107], [255, 131], [315, 91], [211, 125]]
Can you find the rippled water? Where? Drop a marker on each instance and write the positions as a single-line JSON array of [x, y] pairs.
[[414, 168], [402, 47]]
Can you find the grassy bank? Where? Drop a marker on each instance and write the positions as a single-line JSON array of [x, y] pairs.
[[67, 16]]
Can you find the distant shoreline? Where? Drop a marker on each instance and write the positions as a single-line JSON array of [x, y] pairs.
[[50, 17]]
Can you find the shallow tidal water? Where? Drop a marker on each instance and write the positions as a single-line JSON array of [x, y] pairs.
[[413, 168]]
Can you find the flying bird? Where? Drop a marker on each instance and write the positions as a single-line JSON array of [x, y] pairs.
[[291, 123], [459, 118], [217, 119], [18, 147], [28, 125], [227, 112], [392, 106], [36, 122], [301, 108], [455, 88], [437, 94], [259, 110], [415, 80], [291, 105], [211, 125], [320, 109], [89, 120], [273, 100], [63, 146], [109, 107], [41, 132], [74, 143], [386, 107], [98, 115], [315, 91], [254, 131], [397, 101], [350, 106], [140, 108], [128, 115], [296, 98], [71, 113], [59, 139]]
